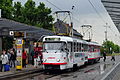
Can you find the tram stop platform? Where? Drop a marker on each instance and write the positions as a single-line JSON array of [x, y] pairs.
[[13, 72], [112, 71]]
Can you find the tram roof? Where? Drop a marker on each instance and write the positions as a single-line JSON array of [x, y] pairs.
[[113, 9], [66, 38], [94, 43]]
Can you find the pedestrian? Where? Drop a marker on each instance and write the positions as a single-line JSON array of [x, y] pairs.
[[24, 57], [32, 56], [113, 58], [12, 59], [4, 58], [36, 58], [104, 56], [9, 56]]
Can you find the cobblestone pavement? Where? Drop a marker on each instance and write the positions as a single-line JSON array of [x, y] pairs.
[[90, 72]]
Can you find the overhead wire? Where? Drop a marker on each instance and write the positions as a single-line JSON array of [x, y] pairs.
[[96, 11], [100, 15], [53, 5], [77, 19], [60, 9]]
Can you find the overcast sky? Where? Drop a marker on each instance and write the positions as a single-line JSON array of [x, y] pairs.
[[84, 13]]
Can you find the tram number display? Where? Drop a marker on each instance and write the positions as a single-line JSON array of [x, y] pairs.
[[52, 39]]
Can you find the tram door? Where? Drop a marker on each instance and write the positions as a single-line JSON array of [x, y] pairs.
[[70, 53]]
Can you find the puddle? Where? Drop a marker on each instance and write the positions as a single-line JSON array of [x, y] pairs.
[[90, 70], [99, 69]]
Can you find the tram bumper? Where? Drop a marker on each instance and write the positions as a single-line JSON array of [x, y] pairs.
[[59, 66]]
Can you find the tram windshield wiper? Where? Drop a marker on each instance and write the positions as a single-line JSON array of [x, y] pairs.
[[61, 48], [45, 50]]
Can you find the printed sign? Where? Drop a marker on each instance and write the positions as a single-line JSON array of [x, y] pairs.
[[19, 43]]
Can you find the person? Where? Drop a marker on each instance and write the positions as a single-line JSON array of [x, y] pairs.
[[4, 58], [9, 55], [32, 56], [36, 58], [24, 57], [104, 56], [112, 58], [12, 59]]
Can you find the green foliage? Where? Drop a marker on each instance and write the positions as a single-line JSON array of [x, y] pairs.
[[7, 43], [29, 13], [110, 47], [7, 8]]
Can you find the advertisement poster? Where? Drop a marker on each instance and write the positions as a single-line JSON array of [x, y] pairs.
[[19, 43]]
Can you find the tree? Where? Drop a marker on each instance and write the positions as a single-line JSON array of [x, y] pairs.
[[110, 47], [18, 12], [7, 43], [116, 48], [30, 14], [44, 19], [33, 15], [6, 6]]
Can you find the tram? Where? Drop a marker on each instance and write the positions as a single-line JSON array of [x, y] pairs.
[[94, 52], [62, 52]]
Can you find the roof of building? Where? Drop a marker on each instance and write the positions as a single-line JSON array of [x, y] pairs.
[[61, 27], [113, 9], [33, 32], [17, 26]]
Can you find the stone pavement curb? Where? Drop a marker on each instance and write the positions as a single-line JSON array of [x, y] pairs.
[[20, 73]]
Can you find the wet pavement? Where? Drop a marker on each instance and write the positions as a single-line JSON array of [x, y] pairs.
[[90, 72]]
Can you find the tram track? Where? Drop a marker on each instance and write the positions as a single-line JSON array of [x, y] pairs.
[[51, 74]]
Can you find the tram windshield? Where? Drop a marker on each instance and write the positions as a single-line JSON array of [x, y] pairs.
[[54, 45]]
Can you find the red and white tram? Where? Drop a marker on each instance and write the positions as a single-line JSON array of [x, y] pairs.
[[61, 52], [94, 52]]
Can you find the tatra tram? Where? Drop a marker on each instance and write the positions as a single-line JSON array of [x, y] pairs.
[[62, 52]]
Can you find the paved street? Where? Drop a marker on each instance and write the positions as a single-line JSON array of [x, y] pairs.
[[90, 72]]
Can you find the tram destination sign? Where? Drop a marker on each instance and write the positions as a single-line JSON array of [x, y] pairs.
[[52, 39]]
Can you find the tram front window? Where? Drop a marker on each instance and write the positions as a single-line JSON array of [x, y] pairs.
[[54, 46]]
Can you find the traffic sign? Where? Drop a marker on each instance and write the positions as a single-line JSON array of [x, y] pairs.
[[11, 33]]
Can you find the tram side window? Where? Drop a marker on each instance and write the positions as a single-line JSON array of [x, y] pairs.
[[86, 47], [69, 46], [82, 48], [77, 47], [92, 48], [76, 55], [74, 46]]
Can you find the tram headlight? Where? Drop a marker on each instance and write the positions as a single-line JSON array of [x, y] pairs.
[[58, 60]]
